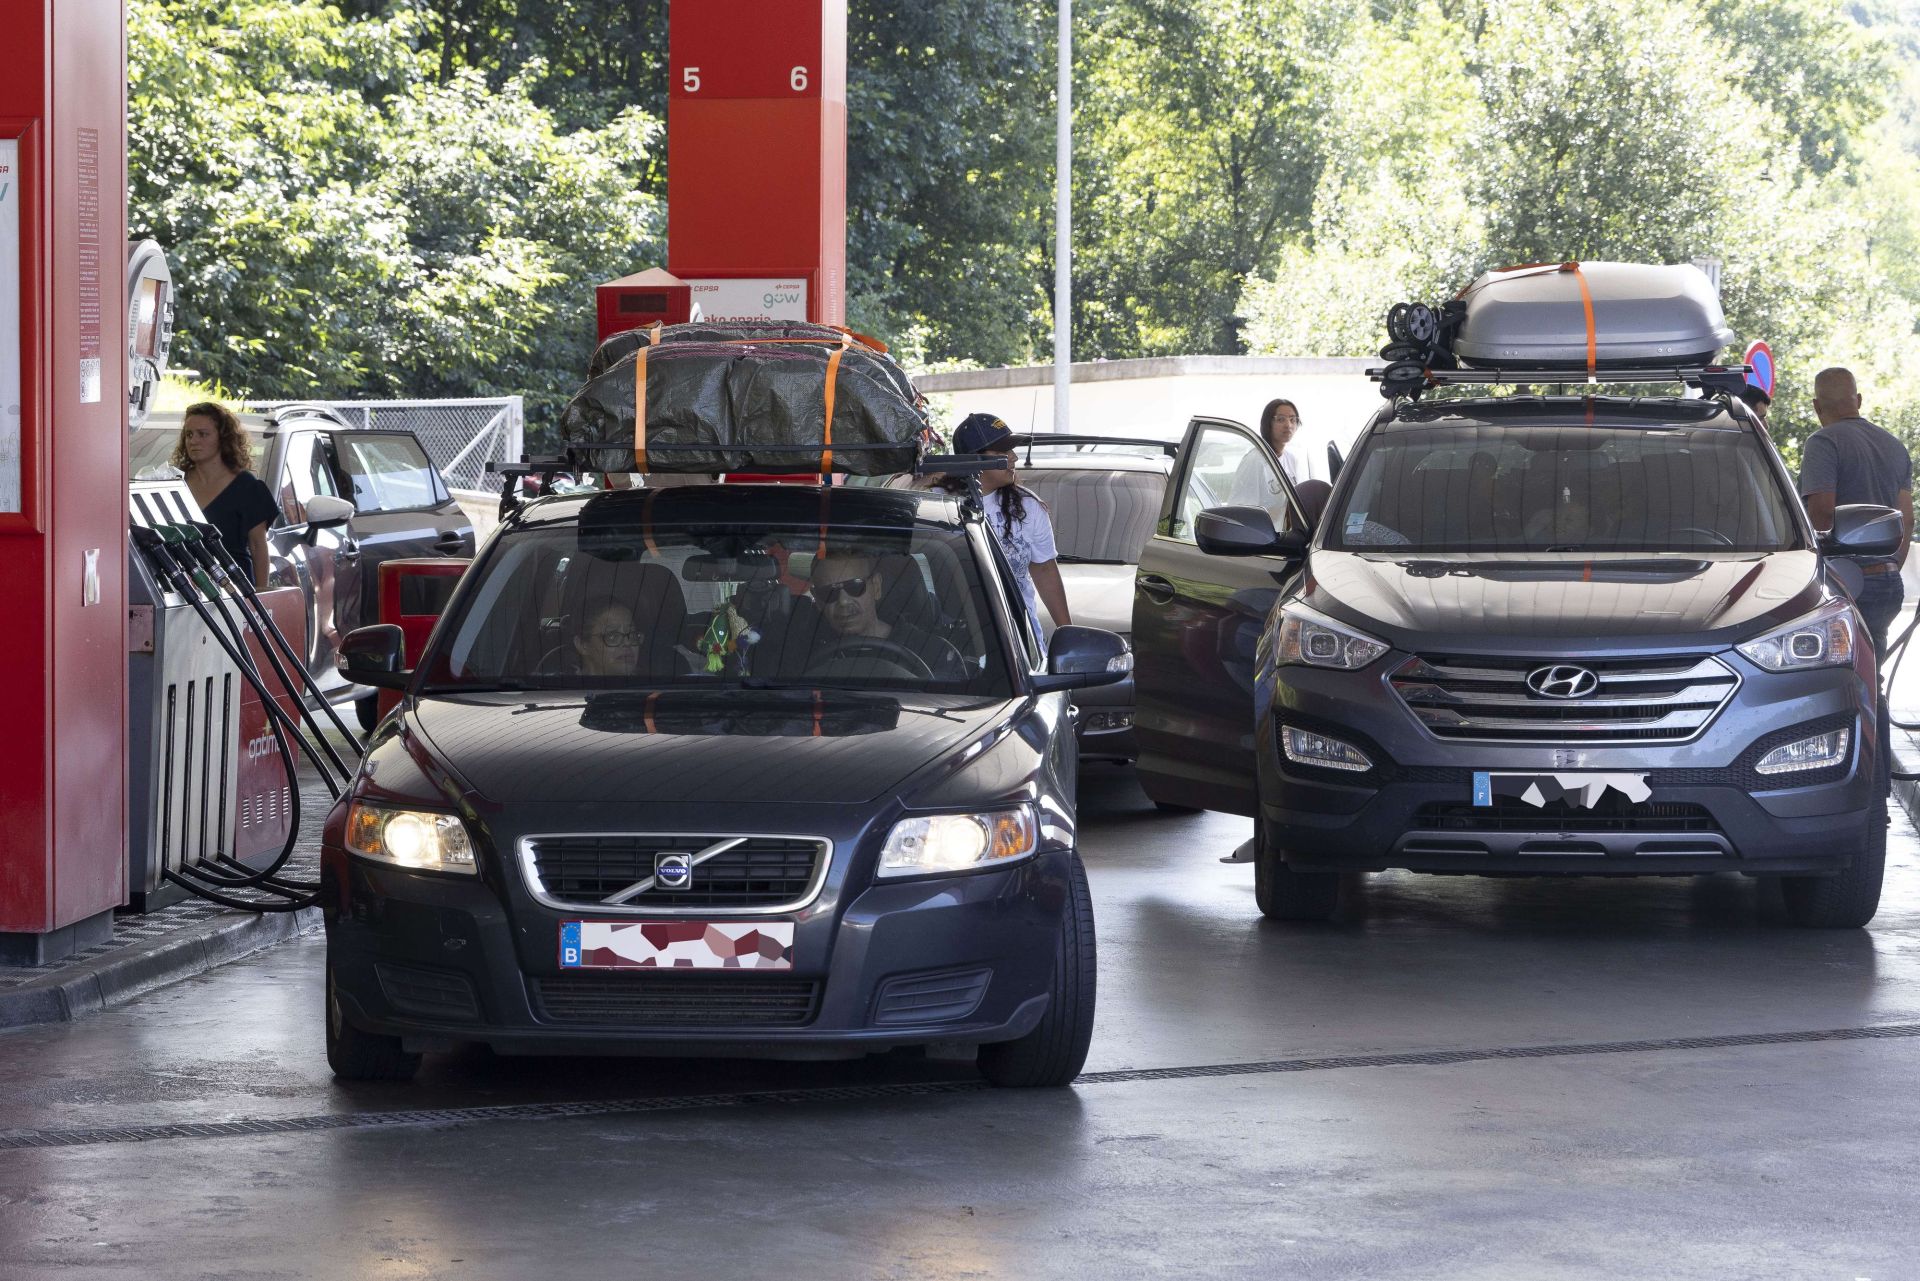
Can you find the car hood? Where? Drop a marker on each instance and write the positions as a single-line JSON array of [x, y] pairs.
[[832, 747], [1100, 595], [1433, 600]]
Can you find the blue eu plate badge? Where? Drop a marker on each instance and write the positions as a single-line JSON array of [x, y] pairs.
[[570, 944], [1482, 787]]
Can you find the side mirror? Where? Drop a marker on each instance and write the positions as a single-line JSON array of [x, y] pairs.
[[1244, 531], [1863, 529], [324, 511], [1078, 657], [375, 656]]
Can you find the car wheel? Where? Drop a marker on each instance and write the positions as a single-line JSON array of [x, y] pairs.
[[1849, 900], [355, 1055], [367, 711], [1283, 893], [1055, 1051]]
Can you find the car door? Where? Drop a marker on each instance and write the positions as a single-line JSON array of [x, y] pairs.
[[1198, 622], [301, 473], [402, 511]]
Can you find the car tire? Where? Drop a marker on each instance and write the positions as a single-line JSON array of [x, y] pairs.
[[1054, 1052], [367, 712], [1846, 901], [355, 1055], [1283, 893]]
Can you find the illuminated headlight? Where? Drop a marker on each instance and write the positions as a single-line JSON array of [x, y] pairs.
[[410, 838], [1304, 747], [1816, 752], [1823, 638], [958, 842], [1311, 638]]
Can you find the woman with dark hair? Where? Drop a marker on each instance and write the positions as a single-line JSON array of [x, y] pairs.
[[1017, 517], [214, 453]]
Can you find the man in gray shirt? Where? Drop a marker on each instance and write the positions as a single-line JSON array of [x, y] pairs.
[[1849, 460]]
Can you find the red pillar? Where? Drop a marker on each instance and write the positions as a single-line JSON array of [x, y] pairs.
[[757, 153], [63, 488]]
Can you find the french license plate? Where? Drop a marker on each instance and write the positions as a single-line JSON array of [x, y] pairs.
[[676, 945], [1581, 790]]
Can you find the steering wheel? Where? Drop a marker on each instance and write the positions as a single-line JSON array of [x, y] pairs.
[[888, 653], [1713, 534]]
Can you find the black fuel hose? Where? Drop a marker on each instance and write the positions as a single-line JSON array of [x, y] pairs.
[[194, 547], [1897, 652], [205, 883], [213, 547]]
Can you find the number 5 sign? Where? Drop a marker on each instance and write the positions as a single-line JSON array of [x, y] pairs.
[[751, 48]]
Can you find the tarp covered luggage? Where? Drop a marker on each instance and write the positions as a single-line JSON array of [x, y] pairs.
[[1592, 314], [687, 403], [783, 332]]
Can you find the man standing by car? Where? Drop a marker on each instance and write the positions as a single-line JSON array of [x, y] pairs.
[[1850, 460]]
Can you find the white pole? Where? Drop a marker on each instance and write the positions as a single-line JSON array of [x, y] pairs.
[[1063, 225]]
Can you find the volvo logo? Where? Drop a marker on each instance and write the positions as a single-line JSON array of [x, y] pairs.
[[673, 871], [1562, 682]]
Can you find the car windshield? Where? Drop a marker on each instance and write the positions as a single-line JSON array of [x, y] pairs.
[[150, 452], [618, 604], [1099, 515], [1563, 489]]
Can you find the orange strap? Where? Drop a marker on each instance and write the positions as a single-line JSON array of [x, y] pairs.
[[817, 713], [826, 428], [653, 334], [640, 410], [651, 700], [646, 523], [1586, 301]]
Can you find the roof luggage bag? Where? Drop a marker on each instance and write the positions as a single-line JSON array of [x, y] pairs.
[[681, 404], [1590, 315]]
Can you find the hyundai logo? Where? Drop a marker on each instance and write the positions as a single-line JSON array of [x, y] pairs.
[[1562, 682], [673, 871]]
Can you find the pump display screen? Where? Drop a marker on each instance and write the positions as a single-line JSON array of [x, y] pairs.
[[642, 304]]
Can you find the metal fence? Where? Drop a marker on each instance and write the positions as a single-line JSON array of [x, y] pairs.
[[461, 436]]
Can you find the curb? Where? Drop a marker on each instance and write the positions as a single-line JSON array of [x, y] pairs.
[[100, 984]]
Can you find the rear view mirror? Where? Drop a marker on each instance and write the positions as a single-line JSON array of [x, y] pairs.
[[1244, 531], [1863, 529], [375, 656], [324, 511], [1078, 657], [730, 569]]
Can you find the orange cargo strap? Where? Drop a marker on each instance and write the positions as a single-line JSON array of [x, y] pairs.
[[653, 334], [826, 428], [648, 713], [646, 522], [640, 410], [817, 714], [1586, 301]]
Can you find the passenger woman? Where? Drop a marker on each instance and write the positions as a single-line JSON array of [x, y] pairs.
[[1017, 519], [214, 453]]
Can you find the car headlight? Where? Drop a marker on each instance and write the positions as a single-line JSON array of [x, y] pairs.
[[418, 839], [1311, 638], [935, 843], [1823, 638]]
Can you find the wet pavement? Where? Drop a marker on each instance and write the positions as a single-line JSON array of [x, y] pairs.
[[1461, 1078]]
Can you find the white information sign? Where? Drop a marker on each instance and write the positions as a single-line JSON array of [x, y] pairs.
[[9, 324], [754, 298]]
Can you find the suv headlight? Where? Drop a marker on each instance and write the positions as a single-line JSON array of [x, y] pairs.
[[1311, 638], [419, 839], [1823, 638], [933, 843]]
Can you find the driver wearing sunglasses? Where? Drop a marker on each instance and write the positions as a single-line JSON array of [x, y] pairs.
[[847, 588]]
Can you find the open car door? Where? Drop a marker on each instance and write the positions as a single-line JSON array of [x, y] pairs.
[[1198, 621], [413, 595]]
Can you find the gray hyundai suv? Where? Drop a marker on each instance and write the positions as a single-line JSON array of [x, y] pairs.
[[1536, 635]]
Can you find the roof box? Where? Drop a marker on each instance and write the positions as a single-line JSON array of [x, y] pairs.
[[1643, 316]]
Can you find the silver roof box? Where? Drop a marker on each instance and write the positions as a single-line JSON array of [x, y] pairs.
[[1642, 316]]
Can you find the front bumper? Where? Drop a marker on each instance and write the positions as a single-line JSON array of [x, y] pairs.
[[1709, 811], [438, 960]]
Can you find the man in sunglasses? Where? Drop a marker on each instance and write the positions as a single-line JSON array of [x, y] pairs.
[[847, 587]]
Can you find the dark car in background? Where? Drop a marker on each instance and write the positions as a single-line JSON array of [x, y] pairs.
[[1103, 494], [401, 510], [1533, 635], [767, 770]]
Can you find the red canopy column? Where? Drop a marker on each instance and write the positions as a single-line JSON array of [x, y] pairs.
[[63, 474]]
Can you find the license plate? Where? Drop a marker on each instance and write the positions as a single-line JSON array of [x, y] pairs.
[[676, 945], [1579, 790]]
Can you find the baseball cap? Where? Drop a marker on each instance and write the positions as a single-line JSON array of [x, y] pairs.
[[978, 433]]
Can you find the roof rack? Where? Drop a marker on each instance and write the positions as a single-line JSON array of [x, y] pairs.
[[1030, 441], [1407, 380], [970, 466]]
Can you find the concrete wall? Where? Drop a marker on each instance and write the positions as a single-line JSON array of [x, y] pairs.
[[1156, 397]]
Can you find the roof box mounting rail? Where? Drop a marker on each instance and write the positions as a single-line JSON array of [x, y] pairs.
[[1405, 380]]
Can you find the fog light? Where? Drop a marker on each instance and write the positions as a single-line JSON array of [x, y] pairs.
[[1304, 747], [1816, 752]]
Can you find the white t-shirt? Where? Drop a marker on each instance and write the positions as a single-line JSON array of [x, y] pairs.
[[1030, 544]]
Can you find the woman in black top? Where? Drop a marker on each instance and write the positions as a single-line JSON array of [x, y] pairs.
[[214, 453]]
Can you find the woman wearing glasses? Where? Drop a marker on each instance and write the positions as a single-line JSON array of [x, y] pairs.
[[610, 643]]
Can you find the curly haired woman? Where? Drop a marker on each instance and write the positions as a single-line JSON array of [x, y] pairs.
[[214, 453]]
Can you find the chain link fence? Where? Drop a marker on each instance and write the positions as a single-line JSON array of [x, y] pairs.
[[461, 436]]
